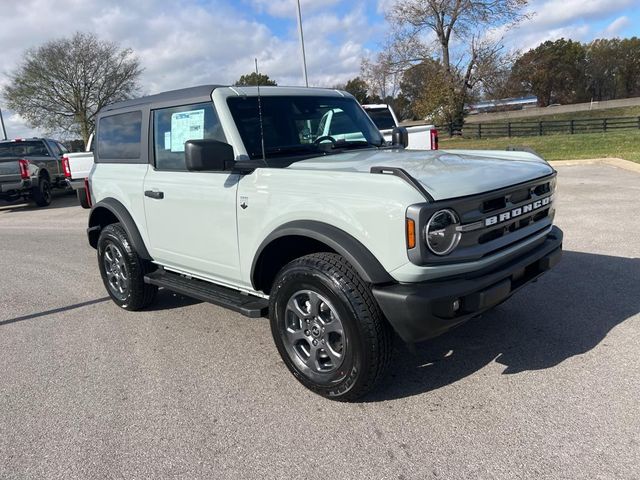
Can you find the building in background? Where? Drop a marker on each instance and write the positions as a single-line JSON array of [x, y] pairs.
[[502, 105]]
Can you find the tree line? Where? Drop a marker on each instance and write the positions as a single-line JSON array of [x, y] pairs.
[[556, 72], [564, 71]]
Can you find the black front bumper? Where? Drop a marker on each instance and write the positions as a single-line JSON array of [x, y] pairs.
[[419, 311]]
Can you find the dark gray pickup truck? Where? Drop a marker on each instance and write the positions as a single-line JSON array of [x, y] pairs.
[[30, 168]]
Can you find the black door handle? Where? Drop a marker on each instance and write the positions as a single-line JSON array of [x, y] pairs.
[[152, 194]]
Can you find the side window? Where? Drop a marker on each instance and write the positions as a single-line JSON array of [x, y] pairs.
[[55, 149], [36, 149], [62, 148], [119, 136], [172, 127], [341, 124]]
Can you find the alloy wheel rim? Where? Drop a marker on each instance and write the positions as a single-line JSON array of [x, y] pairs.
[[116, 271], [313, 333], [46, 192]]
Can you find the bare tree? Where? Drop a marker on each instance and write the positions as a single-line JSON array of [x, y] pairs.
[[62, 85], [382, 75], [466, 21], [464, 18]]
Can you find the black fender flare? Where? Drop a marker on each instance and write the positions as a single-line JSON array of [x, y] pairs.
[[364, 262], [118, 210]]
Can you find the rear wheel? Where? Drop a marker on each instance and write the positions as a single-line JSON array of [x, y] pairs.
[[82, 198], [42, 193], [123, 270], [328, 328]]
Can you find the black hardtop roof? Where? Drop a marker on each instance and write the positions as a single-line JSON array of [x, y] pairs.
[[200, 91]]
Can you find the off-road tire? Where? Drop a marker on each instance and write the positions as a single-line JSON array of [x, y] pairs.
[[368, 336], [81, 193], [138, 294], [42, 192]]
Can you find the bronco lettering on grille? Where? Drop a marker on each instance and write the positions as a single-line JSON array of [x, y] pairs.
[[516, 212]]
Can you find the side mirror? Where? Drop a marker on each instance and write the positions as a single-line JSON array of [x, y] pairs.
[[400, 137], [208, 156]]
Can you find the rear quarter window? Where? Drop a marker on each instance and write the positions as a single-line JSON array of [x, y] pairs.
[[120, 136]]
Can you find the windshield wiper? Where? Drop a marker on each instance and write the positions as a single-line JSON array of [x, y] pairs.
[[317, 149], [292, 149], [348, 144]]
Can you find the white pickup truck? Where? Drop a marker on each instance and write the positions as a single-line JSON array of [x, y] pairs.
[[421, 137], [77, 167]]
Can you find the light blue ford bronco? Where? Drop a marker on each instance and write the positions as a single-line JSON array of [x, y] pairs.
[[247, 198]]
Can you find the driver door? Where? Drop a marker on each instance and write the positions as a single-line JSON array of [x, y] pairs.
[[191, 216]]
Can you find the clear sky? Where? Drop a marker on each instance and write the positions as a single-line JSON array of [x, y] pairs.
[[189, 42]]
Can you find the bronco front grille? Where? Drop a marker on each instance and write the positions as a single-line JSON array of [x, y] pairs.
[[493, 221], [515, 197], [512, 227]]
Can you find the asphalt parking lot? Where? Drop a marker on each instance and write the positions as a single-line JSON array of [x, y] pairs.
[[545, 386]]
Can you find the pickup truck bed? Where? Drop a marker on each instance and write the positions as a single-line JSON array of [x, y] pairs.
[[77, 167]]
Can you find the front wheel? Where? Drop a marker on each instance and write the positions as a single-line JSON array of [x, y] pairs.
[[328, 328], [123, 270]]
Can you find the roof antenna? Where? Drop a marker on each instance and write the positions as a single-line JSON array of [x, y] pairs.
[[264, 155]]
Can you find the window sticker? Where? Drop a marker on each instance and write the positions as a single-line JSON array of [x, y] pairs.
[[167, 140], [186, 126]]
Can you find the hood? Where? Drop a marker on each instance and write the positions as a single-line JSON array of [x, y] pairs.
[[443, 173]]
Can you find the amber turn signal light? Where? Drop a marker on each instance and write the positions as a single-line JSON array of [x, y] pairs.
[[411, 234]]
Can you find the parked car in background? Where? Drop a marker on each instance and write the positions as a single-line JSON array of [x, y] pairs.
[[421, 137], [77, 167], [30, 168]]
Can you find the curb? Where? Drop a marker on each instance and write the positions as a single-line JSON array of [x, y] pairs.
[[613, 162]]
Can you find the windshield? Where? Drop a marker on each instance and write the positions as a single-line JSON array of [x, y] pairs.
[[382, 118], [23, 149], [302, 126]]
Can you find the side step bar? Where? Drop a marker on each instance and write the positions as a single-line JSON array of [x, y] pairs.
[[247, 305]]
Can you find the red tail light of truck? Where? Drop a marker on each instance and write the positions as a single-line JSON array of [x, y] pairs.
[[65, 166], [87, 192], [434, 139], [24, 168]]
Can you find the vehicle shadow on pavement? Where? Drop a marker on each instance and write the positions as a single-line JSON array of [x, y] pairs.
[[60, 200], [568, 312], [167, 300]]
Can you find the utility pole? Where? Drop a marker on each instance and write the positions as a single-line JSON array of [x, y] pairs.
[[304, 55], [4, 130]]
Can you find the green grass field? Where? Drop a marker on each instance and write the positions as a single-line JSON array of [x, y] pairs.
[[619, 144]]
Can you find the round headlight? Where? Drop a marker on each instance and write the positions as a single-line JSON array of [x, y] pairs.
[[441, 233]]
